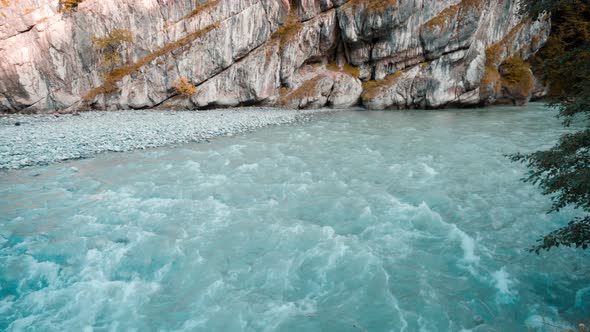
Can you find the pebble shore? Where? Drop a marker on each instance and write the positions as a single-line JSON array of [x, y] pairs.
[[28, 140]]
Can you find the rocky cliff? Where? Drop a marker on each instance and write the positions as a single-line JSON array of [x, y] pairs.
[[55, 54]]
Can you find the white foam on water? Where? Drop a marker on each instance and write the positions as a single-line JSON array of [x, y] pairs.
[[237, 148], [395, 167], [424, 214], [192, 324], [247, 167], [468, 244], [504, 283], [79, 303], [394, 301], [281, 312], [367, 213], [193, 166], [387, 238], [6, 303], [429, 170], [213, 181]]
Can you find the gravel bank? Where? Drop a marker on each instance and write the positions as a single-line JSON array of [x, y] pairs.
[[27, 140]]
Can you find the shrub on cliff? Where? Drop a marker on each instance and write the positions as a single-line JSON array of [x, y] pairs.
[[184, 87], [517, 78], [68, 5], [110, 48]]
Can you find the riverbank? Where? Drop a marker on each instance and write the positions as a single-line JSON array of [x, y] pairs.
[[28, 140]]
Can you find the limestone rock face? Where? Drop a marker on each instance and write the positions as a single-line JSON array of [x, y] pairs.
[[292, 53]]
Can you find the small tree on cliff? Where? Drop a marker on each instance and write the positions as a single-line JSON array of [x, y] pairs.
[[110, 48], [185, 88], [563, 172]]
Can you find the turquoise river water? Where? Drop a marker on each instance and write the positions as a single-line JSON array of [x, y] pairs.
[[356, 221]]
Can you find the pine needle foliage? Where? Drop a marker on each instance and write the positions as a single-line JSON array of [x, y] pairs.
[[184, 87], [110, 46]]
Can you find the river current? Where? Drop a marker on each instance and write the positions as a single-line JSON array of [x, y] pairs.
[[356, 221]]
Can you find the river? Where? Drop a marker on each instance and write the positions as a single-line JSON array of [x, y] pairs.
[[356, 221]]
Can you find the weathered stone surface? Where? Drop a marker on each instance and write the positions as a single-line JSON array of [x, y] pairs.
[[412, 53], [320, 87], [345, 92]]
